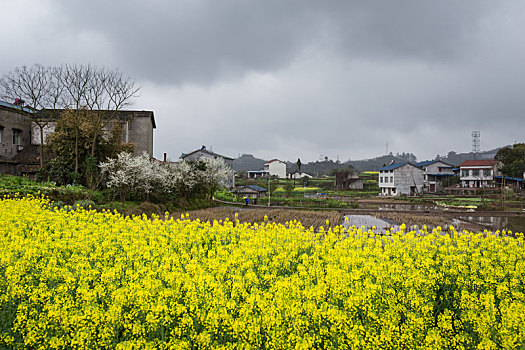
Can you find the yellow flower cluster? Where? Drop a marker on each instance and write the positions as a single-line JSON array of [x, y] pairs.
[[86, 279]]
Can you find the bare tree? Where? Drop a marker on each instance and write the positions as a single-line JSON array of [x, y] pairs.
[[32, 86], [108, 93], [75, 80], [101, 93], [97, 93]]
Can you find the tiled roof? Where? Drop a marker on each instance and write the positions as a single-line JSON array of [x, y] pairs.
[[20, 108], [273, 160], [257, 188], [184, 155], [121, 114], [481, 162], [393, 166], [253, 187], [428, 162]]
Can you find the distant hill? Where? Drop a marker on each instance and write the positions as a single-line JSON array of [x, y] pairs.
[[374, 164], [248, 162], [458, 158], [318, 168], [328, 166]]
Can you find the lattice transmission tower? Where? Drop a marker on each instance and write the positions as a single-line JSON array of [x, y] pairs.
[[475, 142]]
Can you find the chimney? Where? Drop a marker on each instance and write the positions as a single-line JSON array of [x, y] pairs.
[[165, 157]]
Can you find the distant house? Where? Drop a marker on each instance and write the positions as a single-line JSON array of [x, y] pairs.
[[20, 136], [510, 182], [205, 153], [479, 173], [254, 174], [434, 174], [348, 180], [297, 175], [250, 191], [401, 179], [276, 167], [208, 154]]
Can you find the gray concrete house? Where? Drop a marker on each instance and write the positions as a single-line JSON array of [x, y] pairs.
[[20, 136], [137, 128], [435, 172], [348, 180], [15, 136], [401, 179]]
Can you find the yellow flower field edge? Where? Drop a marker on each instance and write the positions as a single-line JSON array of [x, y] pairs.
[[86, 279]]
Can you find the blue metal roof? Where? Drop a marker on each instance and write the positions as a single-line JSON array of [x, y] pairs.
[[508, 178], [257, 188], [254, 187], [10, 105], [393, 166], [426, 162]]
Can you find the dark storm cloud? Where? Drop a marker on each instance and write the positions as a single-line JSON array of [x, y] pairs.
[[202, 41], [297, 78]]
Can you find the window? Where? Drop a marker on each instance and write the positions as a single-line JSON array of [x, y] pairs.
[[16, 136], [393, 190], [391, 179], [475, 172], [464, 172], [1, 132], [381, 179], [386, 179], [487, 172]]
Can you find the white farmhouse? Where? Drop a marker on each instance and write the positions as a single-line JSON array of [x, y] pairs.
[[400, 179], [479, 173], [276, 167]]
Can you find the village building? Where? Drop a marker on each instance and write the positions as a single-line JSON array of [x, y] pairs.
[[203, 152], [20, 136], [514, 183], [254, 174], [348, 180], [479, 173], [400, 179], [251, 191], [435, 172], [297, 175], [276, 167]]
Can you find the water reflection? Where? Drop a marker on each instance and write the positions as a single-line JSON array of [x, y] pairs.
[[514, 224], [368, 221]]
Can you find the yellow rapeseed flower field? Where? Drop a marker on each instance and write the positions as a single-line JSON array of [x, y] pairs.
[[87, 279]]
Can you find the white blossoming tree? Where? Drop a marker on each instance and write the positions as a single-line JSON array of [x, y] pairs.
[[214, 175], [127, 173]]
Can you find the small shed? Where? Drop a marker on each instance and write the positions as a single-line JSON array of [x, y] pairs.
[[250, 191], [348, 179]]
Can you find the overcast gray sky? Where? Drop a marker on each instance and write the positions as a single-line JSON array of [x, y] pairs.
[[298, 78]]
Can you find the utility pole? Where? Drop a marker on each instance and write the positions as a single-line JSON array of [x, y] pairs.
[[269, 191]]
